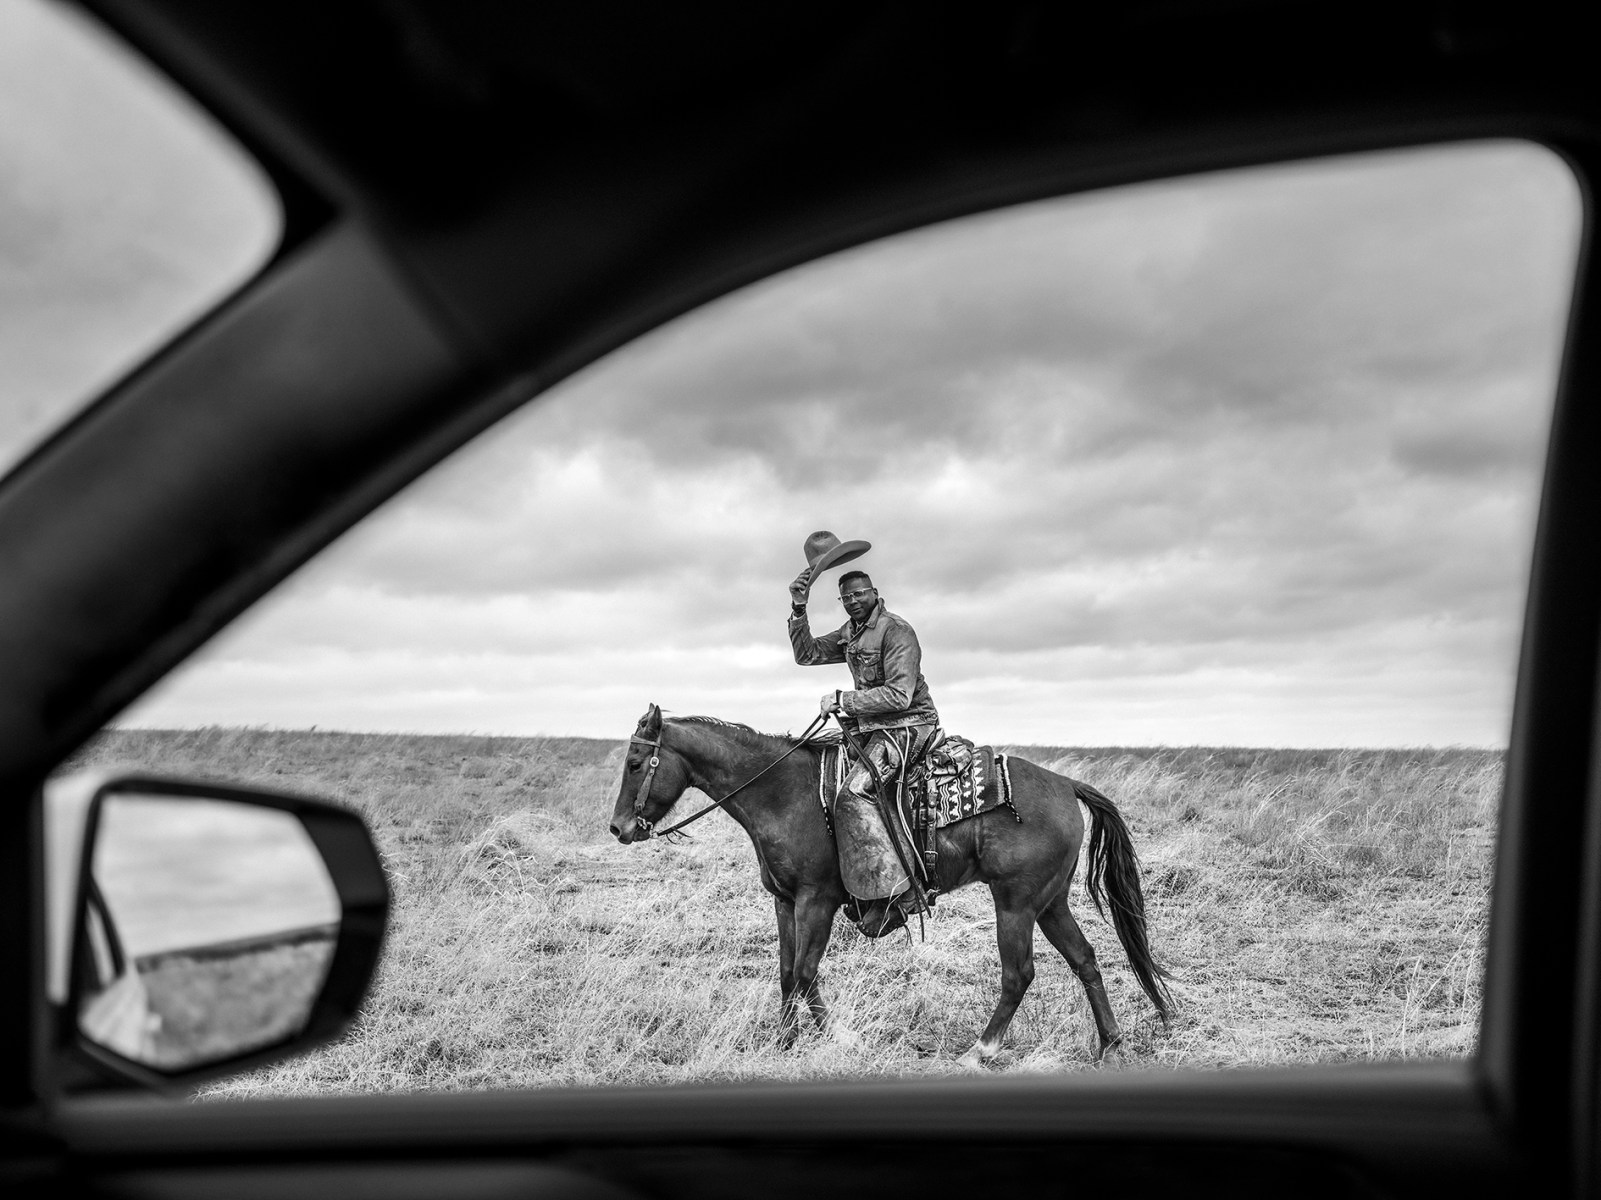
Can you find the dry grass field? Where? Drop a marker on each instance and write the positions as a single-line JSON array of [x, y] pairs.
[[1314, 906]]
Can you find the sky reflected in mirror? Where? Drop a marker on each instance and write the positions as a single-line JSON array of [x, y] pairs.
[[180, 873]]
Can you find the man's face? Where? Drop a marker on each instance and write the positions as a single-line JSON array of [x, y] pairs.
[[858, 596]]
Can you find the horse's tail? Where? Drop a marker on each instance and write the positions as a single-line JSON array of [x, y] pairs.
[[1114, 872]]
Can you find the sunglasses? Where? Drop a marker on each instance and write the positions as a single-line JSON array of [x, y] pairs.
[[858, 594]]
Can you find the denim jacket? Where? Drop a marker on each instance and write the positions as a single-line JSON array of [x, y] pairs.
[[886, 666]]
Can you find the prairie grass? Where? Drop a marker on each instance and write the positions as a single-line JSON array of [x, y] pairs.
[[1314, 906]]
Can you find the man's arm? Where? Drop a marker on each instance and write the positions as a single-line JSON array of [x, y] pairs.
[[809, 651], [813, 651], [903, 659]]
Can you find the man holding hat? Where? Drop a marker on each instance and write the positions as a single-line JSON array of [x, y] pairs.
[[889, 710]]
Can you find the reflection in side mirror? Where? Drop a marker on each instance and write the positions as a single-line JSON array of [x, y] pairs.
[[217, 921], [201, 927]]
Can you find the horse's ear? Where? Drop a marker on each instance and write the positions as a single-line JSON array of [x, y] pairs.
[[650, 724]]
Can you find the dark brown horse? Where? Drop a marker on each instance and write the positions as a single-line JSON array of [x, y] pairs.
[[1028, 865]]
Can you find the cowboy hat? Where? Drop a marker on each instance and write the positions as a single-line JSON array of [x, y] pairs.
[[823, 550]]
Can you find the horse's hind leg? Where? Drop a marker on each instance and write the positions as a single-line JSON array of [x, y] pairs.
[[1063, 932], [1014, 935]]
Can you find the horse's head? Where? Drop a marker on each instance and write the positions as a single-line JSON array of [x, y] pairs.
[[654, 777]]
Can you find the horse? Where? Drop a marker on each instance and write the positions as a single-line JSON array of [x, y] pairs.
[[1028, 863]]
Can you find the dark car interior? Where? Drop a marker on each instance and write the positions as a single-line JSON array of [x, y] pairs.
[[481, 199]]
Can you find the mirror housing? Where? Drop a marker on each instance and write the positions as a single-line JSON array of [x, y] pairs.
[[258, 915]]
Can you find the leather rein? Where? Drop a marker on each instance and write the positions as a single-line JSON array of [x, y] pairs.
[[642, 797]]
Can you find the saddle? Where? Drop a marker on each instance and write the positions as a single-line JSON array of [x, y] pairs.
[[952, 781]]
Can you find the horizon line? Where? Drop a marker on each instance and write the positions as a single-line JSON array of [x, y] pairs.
[[405, 733]]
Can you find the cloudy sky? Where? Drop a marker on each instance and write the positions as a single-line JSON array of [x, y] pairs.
[[124, 216], [1242, 459], [1249, 459]]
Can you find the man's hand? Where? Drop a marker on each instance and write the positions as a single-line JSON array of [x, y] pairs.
[[800, 591], [829, 704]]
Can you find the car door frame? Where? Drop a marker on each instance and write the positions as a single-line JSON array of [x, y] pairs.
[[325, 430]]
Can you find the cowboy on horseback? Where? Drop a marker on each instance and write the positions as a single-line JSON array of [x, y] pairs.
[[889, 715]]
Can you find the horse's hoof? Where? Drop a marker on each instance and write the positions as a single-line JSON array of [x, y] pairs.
[[846, 1037], [1112, 1054], [971, 1061]]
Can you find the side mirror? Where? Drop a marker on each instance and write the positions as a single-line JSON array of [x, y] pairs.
[[198, 929]]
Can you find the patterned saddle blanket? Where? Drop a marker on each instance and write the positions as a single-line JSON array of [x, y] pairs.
[[954, 781]]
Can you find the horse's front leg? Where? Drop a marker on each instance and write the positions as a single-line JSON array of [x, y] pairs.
[[814, 923], [788, 1022]]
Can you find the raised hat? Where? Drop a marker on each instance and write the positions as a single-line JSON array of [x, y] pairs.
[[823, 550]]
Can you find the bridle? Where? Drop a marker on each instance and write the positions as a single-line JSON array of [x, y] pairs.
[[642, 796]]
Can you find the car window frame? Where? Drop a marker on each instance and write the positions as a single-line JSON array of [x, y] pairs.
[[1533, 1084]]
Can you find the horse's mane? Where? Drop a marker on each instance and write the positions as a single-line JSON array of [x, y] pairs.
[[755, 738]]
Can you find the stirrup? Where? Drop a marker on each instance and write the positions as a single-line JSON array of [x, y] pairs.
[[875, 918], [907, 902]]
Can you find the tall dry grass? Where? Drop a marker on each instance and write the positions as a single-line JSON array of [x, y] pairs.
[[1315, 906]]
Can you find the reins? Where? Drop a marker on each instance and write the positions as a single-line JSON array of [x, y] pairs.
[[643, 795]]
